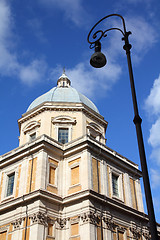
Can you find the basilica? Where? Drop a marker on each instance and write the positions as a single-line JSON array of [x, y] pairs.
[[62, 182]]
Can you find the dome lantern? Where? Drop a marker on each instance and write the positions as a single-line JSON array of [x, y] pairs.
[[63, 81], [63, 93]]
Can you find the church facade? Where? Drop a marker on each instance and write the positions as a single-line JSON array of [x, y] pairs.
[[63, 182]]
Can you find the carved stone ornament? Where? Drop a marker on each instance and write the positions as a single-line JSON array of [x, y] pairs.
[[121, 229], [136, 232], [17, 223], [146, 233], [62, 222], [91, 217], [109, 223], [39, 218]]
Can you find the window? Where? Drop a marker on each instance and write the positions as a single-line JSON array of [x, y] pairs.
[[120, 235], [96, 175], [32, 136], [52, 175], [10, 184], [99, 229], [74, 229], [115, 185], [63, 135], [133, 193], [114, 236], [75, 175], [3, 235], [50, 229]]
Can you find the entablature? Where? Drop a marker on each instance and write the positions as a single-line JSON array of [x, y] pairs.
[[107, 203], [68, 149], [48, 106]]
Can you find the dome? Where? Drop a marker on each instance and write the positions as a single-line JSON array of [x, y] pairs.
[[63, 93]]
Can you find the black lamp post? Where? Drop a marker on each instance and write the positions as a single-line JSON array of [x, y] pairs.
[[98, 60]]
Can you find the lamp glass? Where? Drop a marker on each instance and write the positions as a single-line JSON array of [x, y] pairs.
[[98, 60]]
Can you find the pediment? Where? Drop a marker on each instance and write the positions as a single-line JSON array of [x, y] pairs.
[[63, 120], [30, 126], [94, 129]]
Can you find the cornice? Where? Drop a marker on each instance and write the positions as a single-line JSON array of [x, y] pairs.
[[115, 204], [67, 150], [42, 142], [47, 106], [106, 202], [102, 151]]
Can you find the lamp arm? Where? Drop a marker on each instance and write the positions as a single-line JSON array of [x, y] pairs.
[[103, 33]]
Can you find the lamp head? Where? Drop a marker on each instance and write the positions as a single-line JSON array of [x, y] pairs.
[[98, 59]]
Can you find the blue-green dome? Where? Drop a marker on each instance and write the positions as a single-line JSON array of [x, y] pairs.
[[63, 93]]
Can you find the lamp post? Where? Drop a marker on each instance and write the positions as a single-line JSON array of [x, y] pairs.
[[98, 60]]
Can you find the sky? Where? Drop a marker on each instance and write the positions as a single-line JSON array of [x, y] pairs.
[[39, 38]]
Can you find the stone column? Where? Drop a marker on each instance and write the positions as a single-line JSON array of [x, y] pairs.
[[38, 226]]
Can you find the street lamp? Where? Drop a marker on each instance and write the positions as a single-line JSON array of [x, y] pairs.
[[98, 60]]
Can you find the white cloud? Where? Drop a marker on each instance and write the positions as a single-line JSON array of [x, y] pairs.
[[33, 72], [8, 60], [155, 178], [73, 10], [141, 29], [139, 39], [9, 64], [154, 138], [153, 100], [152, 106], [155, 156], [89, 81], [5, 22]]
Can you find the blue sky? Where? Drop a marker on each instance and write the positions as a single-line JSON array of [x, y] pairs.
[[38, 38]]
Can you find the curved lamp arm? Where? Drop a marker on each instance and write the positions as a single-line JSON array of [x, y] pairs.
[[103, 33]]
